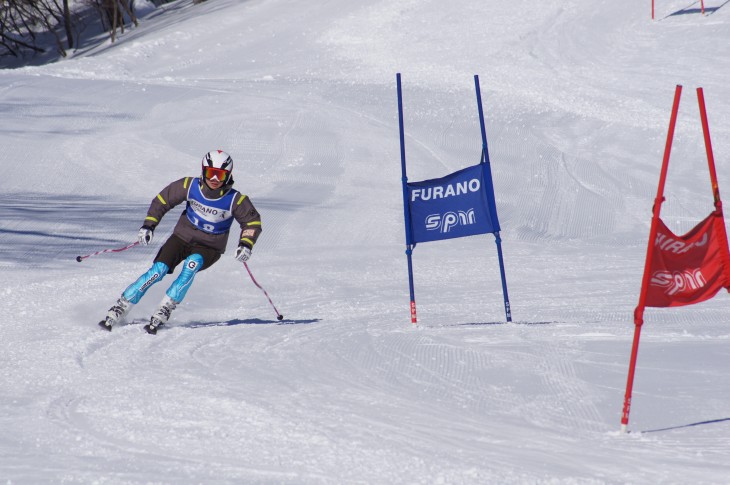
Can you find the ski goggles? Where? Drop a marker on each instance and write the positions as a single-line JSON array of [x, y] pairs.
[[212, 173]]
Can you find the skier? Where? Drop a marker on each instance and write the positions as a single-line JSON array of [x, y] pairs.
[[198, 240]]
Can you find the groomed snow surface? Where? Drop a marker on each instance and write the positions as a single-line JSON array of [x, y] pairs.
[[345, 390]]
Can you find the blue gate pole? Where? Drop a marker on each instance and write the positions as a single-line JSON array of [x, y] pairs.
[[488, 174], [406, 209]]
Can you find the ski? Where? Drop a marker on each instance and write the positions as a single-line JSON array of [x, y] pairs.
[[152, 329], [148, 327]]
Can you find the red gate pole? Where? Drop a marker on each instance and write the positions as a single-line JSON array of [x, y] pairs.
[[639, 311], [708, 148]]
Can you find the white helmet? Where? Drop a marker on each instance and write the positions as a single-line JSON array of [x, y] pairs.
[[217, 165]]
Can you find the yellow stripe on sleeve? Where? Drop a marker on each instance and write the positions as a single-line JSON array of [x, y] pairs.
[[243, 197], [245, 239], [150, 218], [253, 223], [159, 196]]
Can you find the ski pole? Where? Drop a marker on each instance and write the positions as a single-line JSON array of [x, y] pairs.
[[117, 250], [279, 316]]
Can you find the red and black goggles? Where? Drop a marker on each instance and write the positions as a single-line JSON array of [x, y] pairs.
[[212, 173]]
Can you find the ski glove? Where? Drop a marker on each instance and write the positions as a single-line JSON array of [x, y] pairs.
[[145, 235], [243, 253]]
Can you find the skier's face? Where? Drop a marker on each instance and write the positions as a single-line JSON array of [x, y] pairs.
[[214, 184], [215, 177]]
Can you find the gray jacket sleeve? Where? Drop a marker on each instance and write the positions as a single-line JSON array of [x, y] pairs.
[[249, 219], [168, 198]]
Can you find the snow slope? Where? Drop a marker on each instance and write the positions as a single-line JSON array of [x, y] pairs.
[[577, 97]]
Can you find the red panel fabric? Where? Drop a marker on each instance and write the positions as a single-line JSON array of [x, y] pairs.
[[691, 268]]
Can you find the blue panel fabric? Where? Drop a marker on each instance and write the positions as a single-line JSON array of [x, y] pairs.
[[458, 205]]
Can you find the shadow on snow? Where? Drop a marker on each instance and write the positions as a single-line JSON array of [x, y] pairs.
[[700, 423], [478, 324], [249, 321], [40, 230], [693, 10]]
